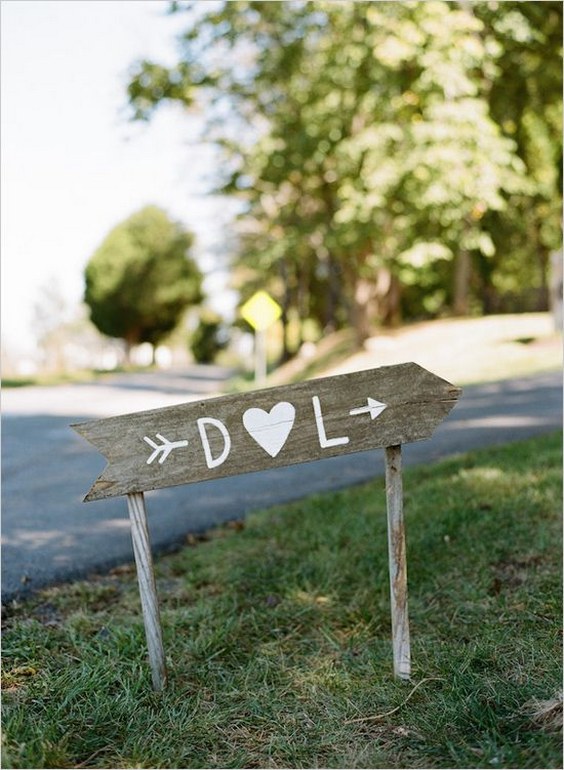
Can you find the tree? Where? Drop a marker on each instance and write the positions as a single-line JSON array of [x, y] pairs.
[[526, 101], [51, 318], [66, 338], [363, 139], [141, 279], [209, 338]]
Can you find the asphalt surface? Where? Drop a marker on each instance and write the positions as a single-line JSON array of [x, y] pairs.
[[49, 535]]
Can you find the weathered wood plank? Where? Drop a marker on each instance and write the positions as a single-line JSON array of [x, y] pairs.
[[397, 563], [299, 423]]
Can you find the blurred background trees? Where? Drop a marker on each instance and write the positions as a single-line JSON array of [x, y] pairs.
[[394, 160], [209, 338], [141, 279]]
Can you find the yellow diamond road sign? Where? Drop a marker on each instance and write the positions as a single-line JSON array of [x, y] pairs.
[[261, 311]]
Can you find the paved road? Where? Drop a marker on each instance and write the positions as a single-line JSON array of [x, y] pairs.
[[49, 535]]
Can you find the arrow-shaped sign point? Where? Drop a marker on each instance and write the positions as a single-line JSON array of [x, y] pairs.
[[374, 408], [166, 447]]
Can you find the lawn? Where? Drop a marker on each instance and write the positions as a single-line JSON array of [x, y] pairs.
[[277, 637]]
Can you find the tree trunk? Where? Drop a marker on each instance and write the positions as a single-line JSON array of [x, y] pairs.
[[303, 303], [334, 296], [543, 299], [375, 302], [388, 294], [361, 310], [286, 304], [461, 288]]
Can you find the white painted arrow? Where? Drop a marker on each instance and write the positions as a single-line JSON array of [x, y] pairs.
[[166, 447], [374, 408]]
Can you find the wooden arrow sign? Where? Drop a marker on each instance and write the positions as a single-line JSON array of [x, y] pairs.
[[270, 428], [224, 436]]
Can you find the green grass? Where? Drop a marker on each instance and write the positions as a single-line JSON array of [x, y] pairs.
[[277, 637]]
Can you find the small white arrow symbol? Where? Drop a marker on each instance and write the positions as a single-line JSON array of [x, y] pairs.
[[166, 447], [374, 407]]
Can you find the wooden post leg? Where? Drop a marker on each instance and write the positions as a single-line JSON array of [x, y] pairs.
[[397, 563], [147, 587]]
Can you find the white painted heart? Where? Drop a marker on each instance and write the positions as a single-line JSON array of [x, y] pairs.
[[270, 429]]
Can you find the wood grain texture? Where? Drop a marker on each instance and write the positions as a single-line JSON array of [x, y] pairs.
[[416, 402], [397, 562], [147, 588]]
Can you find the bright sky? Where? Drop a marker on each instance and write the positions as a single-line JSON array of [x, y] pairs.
[[73, 166]]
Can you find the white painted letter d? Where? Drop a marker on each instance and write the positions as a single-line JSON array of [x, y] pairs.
[[211, 461]]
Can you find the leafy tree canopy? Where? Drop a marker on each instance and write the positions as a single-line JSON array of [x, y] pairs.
[[379, 148], [141, 279]]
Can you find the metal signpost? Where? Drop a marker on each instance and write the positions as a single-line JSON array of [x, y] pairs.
[[260, 312], [270, 428]]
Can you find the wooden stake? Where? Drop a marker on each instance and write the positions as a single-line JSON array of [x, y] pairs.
[[397, 563], [147, 587]]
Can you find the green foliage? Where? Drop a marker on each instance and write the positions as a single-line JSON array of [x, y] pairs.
[[277, 633], [362, 135], [141, 279], [525, 100], [209, 338]]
